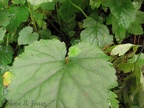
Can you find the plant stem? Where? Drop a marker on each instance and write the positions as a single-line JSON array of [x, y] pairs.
[[31, 16], [139, 54], [59, 20], [53, 25], [78, 8]]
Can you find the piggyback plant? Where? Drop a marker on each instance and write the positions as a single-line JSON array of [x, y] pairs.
[[69, 54]]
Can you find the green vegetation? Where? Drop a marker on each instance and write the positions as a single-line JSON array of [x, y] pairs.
[[71, 54]]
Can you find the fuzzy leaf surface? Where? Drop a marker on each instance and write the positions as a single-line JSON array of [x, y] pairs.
[[42, 74], [26, 36], [96, 33], [123, 11], [17, 15], [122, 15], [5, 55]]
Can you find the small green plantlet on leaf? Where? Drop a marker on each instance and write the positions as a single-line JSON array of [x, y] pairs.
[[74, 51]]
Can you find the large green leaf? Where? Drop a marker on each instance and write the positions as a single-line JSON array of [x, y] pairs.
[[17, 16], [26, 36], [43, 74], [96, 33]]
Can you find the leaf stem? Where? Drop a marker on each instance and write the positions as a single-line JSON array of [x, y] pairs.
[[59, 21], [139, 54], [78, 8], [31, 16], [53, 25]]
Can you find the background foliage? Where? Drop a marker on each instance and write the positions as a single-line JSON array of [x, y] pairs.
[[71, 53]]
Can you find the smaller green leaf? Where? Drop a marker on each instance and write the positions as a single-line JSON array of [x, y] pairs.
[[26, 36], [18, 1], [95, 3], [123, 11], [112, 100], [125, 67], [140, 60], [74, 51], [48, 6], [95, 33], [3, 4], [45, 34], [89, 22], [121, 49], [134, 106], [67, 10], [135, 28], [118, 30], [4, 20], [137, 5], [2, 34], [6, 53], [39, 19], [70, 24], [139, 17], [17, 15]]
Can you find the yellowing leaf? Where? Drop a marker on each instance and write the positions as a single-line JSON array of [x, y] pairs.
[[37, 2], [121, 49], [7, 78]]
